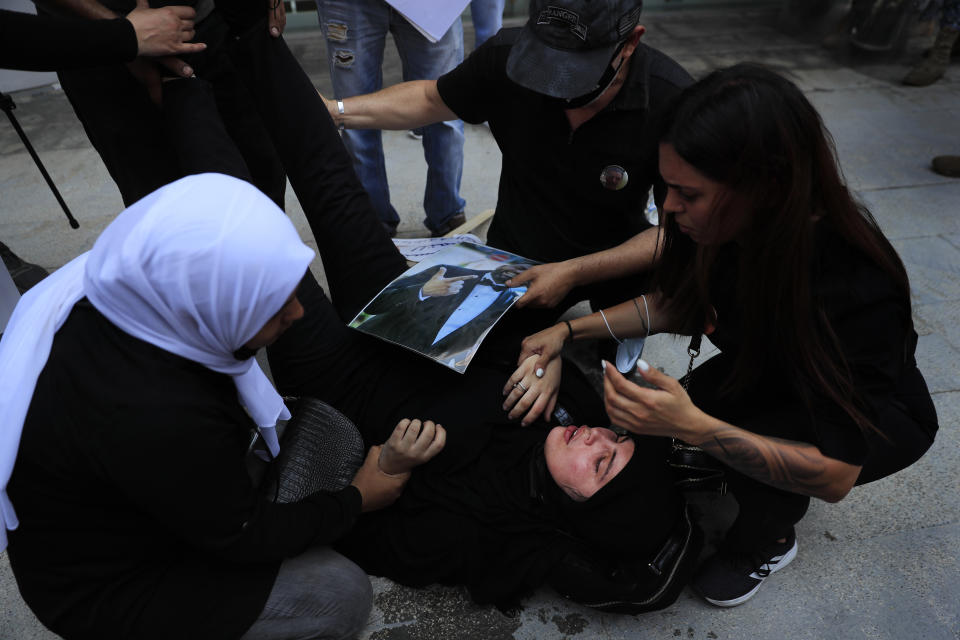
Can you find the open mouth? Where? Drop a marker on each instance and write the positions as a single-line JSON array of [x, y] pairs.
[[570, 434]]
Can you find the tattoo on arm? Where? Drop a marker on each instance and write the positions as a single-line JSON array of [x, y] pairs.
[[786, 464]]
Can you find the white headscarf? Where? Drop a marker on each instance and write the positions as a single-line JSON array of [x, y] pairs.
[[195, 268]]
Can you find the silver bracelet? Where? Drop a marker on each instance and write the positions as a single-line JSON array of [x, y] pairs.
[[647, 309], [612, 334], [340, 109]]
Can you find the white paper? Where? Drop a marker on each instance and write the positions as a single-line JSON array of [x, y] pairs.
[[432, 18], [416, 249]]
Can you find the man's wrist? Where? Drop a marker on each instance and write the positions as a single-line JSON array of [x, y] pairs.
[[575, 272]]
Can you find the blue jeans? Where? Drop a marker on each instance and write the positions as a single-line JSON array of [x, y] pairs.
[[356, 31], [487, 18]]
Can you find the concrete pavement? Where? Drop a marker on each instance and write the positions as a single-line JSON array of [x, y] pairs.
[[882, 564]]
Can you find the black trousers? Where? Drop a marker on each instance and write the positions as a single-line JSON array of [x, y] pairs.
[[126, 128]]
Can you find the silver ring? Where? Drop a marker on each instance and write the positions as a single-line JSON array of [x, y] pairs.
[[520, 384]]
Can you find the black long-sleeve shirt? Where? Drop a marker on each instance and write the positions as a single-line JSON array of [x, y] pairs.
[[50, 43]]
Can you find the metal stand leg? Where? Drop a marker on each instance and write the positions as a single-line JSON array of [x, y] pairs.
[[6, 103]]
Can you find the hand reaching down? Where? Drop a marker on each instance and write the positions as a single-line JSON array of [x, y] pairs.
[[546, 344], [547, 284], [165, 31], [411, 444]]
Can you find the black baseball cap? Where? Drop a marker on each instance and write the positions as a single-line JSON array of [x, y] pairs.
[[566, 45]]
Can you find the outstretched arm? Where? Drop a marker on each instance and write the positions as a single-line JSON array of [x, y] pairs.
[[667, 410], [159, 32], [625, 320], [51, 43], [548, 284], [407, 105]]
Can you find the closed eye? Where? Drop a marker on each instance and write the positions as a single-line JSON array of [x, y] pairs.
[[606, 471], [623, 437]]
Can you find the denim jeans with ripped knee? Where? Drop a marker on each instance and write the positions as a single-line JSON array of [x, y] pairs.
[[356, 32]]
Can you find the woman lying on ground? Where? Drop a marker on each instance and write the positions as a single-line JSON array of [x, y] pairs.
[[504, 510], [816, 388]]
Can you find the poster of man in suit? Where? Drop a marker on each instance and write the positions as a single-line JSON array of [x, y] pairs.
[[444, 306]]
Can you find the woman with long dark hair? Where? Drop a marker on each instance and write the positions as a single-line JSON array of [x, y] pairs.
[[816, 388]]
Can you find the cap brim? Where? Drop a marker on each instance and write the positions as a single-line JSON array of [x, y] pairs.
[[555, 72]]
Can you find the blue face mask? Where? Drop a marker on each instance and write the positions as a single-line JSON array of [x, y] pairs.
[[628, 352]]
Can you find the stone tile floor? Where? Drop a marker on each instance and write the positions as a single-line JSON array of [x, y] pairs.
[[880, 564]]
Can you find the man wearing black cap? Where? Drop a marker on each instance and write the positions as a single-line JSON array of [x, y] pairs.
[[569, 99]]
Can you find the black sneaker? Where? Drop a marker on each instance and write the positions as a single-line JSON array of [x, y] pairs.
[[24, 274], [449, 225], [729, 579]]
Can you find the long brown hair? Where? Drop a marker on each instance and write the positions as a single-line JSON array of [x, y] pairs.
[[755, 132]]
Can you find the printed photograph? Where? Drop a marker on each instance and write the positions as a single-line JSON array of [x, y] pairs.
[[444, 306]]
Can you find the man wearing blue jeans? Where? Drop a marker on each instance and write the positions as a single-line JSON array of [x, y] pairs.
[[356, 31]]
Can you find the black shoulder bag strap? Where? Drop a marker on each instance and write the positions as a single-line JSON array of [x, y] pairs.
[[694, 469]]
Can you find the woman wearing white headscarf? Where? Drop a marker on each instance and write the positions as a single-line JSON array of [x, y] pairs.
[[137, 518]]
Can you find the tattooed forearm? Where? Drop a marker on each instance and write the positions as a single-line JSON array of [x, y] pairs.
[[793, 466]]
